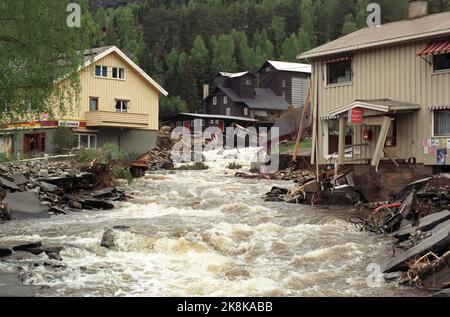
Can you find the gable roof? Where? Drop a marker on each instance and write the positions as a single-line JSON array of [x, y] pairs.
[[95, 54], [429, 26], [289, 67], [265, 99]]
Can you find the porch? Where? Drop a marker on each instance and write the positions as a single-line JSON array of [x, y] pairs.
[[366, 132]]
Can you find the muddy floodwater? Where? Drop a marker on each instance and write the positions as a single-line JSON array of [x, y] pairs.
[[203, 233]]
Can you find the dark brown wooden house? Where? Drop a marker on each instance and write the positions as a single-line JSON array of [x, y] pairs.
[[236, 94], [289, 81]]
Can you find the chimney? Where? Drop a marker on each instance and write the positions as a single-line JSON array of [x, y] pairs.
[[205, 91], [418, 8]]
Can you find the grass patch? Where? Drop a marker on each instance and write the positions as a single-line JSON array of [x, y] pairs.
[[199, 166], [289, 148], [234, 166]]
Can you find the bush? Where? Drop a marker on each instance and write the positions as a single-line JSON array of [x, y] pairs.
[[122, 173], [103, 156]]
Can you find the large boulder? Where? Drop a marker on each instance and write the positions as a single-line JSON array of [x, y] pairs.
[[24, 205]]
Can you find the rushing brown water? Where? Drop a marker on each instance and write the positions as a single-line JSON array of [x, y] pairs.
[[203, 233]]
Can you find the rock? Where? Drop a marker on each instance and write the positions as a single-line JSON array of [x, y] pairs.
[[53, 249], [19, 179], [97, 204], [104, 193], [54, 256], [437, 243], [35, 251], [5, 251], [74, 204], [27, 246], [24, 205], [48, 188], [167, 165], [121, 227], [109, 237], [57, 211], [7, 182]]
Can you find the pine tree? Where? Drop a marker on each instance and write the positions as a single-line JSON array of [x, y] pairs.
[[290, 49], [223, 54], [349, 24], [306, 32]]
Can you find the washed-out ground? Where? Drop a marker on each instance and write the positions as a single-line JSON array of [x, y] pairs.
[[204, 233]]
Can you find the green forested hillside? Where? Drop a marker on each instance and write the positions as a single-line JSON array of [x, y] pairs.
[[183, 44]]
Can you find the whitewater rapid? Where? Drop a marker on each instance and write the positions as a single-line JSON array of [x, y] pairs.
[[202, 233]]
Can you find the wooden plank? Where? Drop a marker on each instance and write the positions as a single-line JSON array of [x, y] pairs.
[[302, 125]]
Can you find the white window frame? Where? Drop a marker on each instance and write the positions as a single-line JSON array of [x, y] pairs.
[[102, 68], [433, 124], [248, 82], [214, 101], [225, 100], [228, 112], [78, 135], [283, 83], [268, 69], [349, 83], [122, 108], [325, 143], [120, 73], [245, 111]]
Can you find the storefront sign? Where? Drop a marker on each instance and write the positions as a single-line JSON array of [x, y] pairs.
[[69, 124], [356, 116]]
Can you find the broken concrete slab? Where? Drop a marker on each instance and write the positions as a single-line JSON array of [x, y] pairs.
[[429, 222], [425, 224], [7, 182], [437, 244], [24, 205], [19, 179], [10, 286]]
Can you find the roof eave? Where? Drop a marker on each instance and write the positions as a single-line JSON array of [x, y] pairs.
[[308, 55]]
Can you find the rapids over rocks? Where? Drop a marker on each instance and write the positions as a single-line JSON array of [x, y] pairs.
[[202, 233]]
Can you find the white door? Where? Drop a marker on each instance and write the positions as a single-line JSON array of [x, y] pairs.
[[5, 144]]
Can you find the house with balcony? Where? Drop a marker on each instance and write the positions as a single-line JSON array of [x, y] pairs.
[[381, 99], [119, 104]]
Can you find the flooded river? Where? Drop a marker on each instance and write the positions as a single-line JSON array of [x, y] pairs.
[[203, 233]]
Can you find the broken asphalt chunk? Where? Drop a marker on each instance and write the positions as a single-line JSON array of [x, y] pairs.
[[24, 205], [437, 243]]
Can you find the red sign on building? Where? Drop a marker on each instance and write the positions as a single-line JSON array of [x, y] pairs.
[[357, 115]]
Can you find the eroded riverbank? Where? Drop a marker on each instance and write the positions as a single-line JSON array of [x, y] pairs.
[[203, 233]]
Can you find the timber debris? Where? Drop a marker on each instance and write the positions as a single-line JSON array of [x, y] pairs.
[[418, 218]]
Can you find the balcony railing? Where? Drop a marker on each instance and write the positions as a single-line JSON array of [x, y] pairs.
[[116, 119]]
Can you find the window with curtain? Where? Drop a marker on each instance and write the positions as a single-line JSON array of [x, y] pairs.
[[442, 123]]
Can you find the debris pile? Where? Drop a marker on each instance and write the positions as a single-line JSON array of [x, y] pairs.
[[157, 159], [419, 219], [30, 251], [335, 187], [33, 190]]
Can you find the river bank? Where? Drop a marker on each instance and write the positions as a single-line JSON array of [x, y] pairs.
[[204, 233]]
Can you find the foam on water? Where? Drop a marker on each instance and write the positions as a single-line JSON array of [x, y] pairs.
[[202, 233]]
